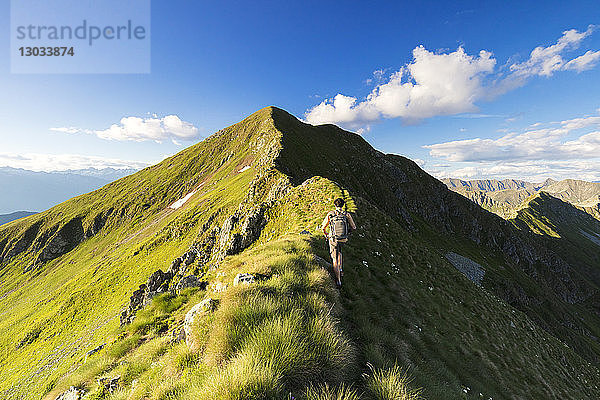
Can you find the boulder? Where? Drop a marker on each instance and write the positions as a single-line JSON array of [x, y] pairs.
[[243, 278], [156, 280], [190, 281], [189, 257], [219, 287], [109, 384], [206, 305], [72, 393], [174, 268]]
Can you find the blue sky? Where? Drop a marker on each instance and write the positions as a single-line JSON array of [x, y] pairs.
[[406, 75]]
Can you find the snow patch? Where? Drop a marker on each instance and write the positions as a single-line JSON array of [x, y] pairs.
[[182, 201], [246, 168]]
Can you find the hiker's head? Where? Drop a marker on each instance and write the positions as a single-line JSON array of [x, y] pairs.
[[339, 202]]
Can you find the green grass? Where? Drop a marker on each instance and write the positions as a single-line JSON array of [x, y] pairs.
[[78, 296], [405, 325]]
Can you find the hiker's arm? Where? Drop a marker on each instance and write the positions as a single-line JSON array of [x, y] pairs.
[[325, 224], [351, 223]]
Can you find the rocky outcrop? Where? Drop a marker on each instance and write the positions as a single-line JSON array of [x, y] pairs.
[[98, 223], [136, 302], [206, 305], [237, 233], [51, 242], [473, 271], [65, 240], [243, 278], [190, 281], [109, 384], [157, 283], [73, 393], [177, 277], [22, 243]]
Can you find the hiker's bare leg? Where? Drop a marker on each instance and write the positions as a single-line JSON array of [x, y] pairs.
[[339, 261], [336, 266]]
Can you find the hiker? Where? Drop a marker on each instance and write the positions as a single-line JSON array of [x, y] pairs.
[[340, 224]]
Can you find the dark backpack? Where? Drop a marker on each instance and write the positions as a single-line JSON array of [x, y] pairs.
[[338, 225]]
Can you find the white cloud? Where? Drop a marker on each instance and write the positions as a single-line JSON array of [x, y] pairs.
[[447, 83], [533, 171], [544, 61], [62, 162], [433, 84], [584, 62], [568, 149], [546, 143], [142, 129]]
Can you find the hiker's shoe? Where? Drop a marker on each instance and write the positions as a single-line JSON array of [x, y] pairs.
[[338, 285]]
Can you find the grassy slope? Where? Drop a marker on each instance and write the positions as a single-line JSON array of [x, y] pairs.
[[72, 302], [405, 306], [413, 309], [448, 221], [564, 227]]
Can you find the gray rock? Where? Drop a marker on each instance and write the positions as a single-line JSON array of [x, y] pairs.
[[468, 267], [190, 281], [94, 350], [175, 265], [65, 240], [109, 384], [206, 305], [136, 302], [72, 393], [321, 261], [219, 287], [156, 280], [253, 224], [243, 278], [189, 257]]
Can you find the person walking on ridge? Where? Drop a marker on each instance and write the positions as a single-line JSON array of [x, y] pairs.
[[340, 224]]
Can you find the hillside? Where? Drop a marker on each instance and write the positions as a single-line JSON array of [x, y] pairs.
[[471, 305], [571, 232], [506, 197]]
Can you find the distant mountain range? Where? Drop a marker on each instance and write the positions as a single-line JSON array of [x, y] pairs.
[[6, 218], [506, 197], [37, 191]]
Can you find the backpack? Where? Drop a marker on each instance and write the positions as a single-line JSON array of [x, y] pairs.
[[338, 225]]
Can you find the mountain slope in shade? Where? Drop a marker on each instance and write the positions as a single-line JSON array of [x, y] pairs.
[[506, 197], [6, 218], [250, 200], [571, 232]]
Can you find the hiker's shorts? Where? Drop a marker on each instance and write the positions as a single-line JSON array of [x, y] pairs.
[[335, 246]]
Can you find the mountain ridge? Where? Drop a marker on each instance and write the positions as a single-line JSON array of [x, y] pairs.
[[246, 194], [506, 199]]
